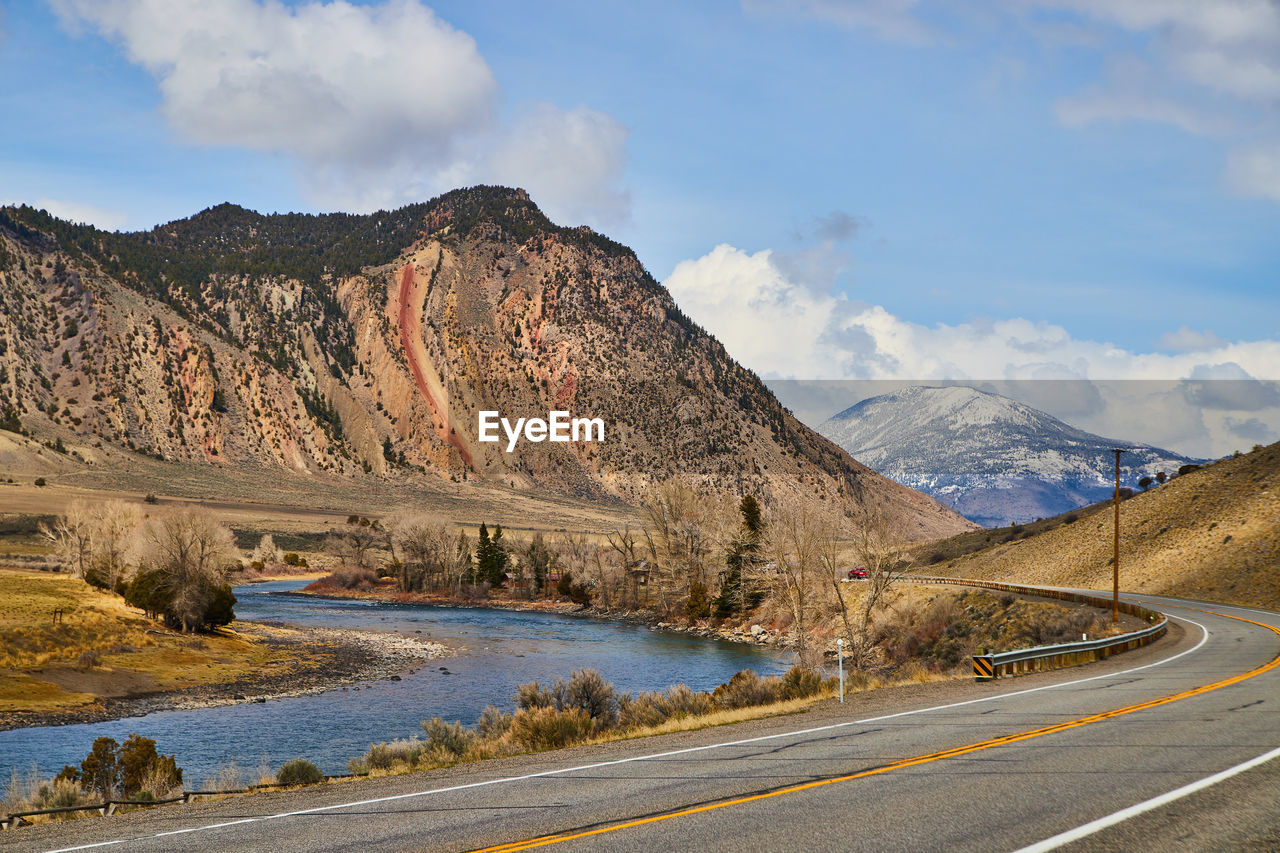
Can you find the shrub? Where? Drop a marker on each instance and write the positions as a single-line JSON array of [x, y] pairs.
[[100, 770], [588, 690], [354, 578], [534, 695], [452, 737], [746, 689], [408, 753], [699, 604], [299, 771], [61, 794], [40, 481], [493, 723], [142, 769], [547, 728], [656, 707], [800, 683], [151, 498], [88, 659]]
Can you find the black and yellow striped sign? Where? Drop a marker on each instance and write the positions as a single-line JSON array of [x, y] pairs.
[[984, 668]]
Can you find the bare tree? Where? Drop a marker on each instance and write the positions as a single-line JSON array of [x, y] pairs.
[[193, 553], [267, 553], [831, 551], [681, 530], [461, 565], [881, 547], [425, 550], [794, 537], [352, 543], [115, 533], [93, 542], [71, 535], [623, 543]]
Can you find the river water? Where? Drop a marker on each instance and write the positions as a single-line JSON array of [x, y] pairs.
[[497, 650]]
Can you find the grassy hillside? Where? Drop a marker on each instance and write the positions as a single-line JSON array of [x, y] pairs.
[[1211, 534]]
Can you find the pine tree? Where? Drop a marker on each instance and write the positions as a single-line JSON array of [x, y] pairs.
[[491, 556], [737, 593]]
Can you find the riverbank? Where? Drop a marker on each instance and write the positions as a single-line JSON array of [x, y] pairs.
[[749, 632], [70, 654]]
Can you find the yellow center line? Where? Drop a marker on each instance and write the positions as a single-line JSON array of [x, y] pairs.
[[545, 840]]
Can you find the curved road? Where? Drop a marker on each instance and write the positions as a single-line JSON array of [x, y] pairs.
[[1146, 750]]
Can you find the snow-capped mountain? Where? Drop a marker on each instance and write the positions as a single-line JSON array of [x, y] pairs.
[[994, 460]]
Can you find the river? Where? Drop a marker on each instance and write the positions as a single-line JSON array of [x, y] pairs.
[[495, 651]]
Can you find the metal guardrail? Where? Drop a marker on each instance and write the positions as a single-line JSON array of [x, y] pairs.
[[1040, 658]]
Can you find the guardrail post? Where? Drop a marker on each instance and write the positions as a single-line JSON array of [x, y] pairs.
[[984, 668]]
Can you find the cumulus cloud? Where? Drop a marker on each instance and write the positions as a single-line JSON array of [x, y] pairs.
[[376, 104], [784, 328]]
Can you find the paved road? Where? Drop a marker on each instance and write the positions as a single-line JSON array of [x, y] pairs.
[[997, 766]]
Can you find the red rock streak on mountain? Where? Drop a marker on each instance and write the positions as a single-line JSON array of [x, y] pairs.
[[411, 330]]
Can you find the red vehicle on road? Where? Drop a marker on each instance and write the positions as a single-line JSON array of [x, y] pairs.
[[858, 574]]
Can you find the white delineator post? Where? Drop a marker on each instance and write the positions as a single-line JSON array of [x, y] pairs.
[[840, 665]]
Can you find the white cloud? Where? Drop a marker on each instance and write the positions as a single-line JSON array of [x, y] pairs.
[[1225, 53], [783, 328], [377, 105], [574, 159], [893, 20], [99, 217], [1255, 172], [1189, 340], [1082, 110]]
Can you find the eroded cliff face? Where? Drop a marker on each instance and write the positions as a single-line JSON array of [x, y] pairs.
[[367, 346]]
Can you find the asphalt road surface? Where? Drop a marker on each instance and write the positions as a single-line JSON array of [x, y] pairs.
[[1164, 748]]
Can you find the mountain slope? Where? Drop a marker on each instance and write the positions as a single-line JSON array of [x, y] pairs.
[[1211, 534], [996, 461], [358, 347]]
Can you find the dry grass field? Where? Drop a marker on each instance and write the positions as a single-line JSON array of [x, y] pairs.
[[102, 649]]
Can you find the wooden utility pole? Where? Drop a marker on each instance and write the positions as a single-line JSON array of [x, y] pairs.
[[1115, 560]]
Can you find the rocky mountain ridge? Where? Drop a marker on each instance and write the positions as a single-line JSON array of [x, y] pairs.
[[364, 346]]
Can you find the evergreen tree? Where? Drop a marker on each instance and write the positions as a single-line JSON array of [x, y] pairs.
[[737, 592], [492, 558]]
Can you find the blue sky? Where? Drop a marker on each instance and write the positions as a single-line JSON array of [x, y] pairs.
[[881, 188]]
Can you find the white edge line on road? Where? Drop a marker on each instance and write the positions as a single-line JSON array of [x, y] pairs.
[[1203, 639], [1153, 803]]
